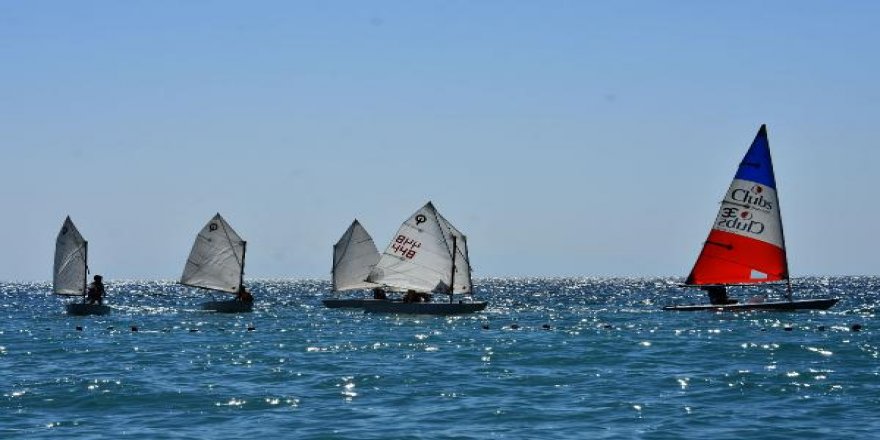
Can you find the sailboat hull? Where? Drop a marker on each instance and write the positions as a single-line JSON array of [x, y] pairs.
[[83, 309], [423, 308], [337, 303], [780, 306], [231, 306]]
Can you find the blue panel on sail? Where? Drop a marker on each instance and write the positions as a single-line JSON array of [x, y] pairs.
[[756, 166]]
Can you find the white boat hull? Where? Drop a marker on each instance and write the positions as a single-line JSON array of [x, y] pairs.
[[83, 309], [230, 306], [419, 308]]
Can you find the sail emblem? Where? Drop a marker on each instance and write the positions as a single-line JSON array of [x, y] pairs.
[[64, 230], [758, 189], [746, 215], [213, 227], [421, 219]]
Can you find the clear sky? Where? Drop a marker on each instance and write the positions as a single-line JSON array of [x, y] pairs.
[[563, 137]]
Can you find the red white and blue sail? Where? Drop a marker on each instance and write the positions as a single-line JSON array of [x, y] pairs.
[[746, 244]]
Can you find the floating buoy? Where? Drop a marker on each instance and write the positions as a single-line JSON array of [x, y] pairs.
[[134, 328], [787, 328], [607, 326], [514, 326], [79, 329], [192, 330], [546, 326], [110, 328], [821, 328], [856, 327], [485, 326], [251, 328]]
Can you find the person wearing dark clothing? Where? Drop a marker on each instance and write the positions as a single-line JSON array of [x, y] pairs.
[[244, 295], [378, 293], [718, 295], [95, 292]]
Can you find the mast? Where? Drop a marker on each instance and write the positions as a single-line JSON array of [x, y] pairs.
[[788, 292], [241, 274], [452, 277], [467, 260], [333, 270], [85, 269]]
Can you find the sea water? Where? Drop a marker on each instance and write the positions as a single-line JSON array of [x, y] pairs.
[[549, 358]]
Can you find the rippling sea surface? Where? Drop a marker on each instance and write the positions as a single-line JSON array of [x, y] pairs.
[[549, 358]]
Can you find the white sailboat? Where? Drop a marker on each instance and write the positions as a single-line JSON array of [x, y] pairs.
[[427, 255], [71, 270], [216, 262], [354, 257]]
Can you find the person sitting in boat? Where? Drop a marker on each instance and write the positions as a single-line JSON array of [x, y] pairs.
[[718, 295], [244, 295], [379, 293], [95, 292], [412, 296]]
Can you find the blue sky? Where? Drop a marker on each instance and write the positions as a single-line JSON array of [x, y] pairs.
[[565, 138]]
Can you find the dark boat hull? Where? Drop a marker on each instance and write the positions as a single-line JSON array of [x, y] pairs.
[[83, 309], [419, 308], [781, 306], [334, 303], [231, 306]]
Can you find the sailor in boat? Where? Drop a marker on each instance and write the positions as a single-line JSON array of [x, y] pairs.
[[95, 292], [379, 293], [718, 295], [244, 295], [412, 296]]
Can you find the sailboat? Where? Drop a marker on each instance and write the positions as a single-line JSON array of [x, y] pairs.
[[354, 257], [216, 262], [71, 270], [746, 245], [427, 255]]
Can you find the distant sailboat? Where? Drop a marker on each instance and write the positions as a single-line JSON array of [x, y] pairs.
[[71, 270], [216, 262], [354, 257], [746, 245], [427, 255]]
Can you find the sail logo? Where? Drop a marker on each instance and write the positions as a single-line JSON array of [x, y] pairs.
[[421, 219], [212, 227], [752, 197], [734, 219], [64, 230]]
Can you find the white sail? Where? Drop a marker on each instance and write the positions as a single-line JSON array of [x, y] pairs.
[[354, 257], [462, 281], [421, 256], [217, 258], [71, 250]]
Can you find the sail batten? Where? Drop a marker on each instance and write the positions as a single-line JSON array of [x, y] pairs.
[[354, 257], [216, 261], [71, 266], [421, 256], [746, 244]]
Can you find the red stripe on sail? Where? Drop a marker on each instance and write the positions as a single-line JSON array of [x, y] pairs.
[[730, 259]]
